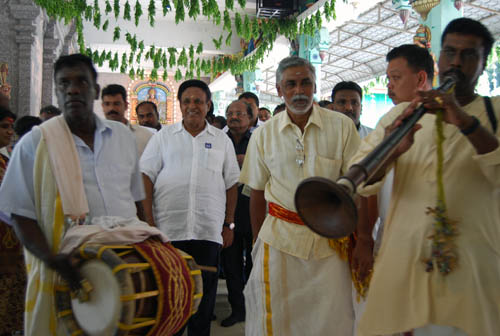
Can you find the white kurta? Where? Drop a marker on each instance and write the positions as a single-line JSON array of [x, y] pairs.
[[402, 295], [298, 284]]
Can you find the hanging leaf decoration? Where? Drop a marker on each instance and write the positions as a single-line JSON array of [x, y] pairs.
[[182, 60], [137, 12], [194, 8], [171, 58], [333, 14], [227, 21], [238, 23], [218, 42], [191, 51], [247, 28], [199, 49], [116, 34], [107, 9], [319, 20], [179, 11], [165, 4], [178, 75], [264, 30], [126, 12], [242, 3], [116, 8], [151, 12], [228, 38], [97, 15]]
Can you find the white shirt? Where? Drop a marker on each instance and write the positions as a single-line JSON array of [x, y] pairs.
[[4, 151], [364, 130], [142, 136], [190, 177], [110, 172]]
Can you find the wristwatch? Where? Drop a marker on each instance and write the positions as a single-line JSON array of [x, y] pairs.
[[229, 225]]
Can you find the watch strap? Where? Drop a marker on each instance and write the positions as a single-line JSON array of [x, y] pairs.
[[473, 126]]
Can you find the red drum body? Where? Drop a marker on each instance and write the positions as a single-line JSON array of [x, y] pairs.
[[150, 288]]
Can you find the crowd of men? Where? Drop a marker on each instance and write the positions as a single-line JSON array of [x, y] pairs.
[[225, 195]]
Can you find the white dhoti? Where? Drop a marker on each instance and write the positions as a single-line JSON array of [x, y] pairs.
[[437, 330], [289, 296]]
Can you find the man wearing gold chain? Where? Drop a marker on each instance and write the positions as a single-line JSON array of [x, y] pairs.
[[427, 281]]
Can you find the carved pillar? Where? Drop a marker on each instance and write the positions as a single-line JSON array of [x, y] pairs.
[[50, 47], [26, 14], [69, 44]]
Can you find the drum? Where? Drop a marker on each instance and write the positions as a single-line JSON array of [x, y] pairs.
[[150, 288]]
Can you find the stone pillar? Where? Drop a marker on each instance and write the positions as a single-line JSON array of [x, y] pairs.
[[27, 21], [50, 47], [69, 46], [8, 52]]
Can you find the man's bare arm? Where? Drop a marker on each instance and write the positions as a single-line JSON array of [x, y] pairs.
[[231, 200], [140, 211], [257, 211], [147, 203], [33, 239]]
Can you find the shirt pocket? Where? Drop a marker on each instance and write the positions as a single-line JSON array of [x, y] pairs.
[[215, 160], [327, 168]]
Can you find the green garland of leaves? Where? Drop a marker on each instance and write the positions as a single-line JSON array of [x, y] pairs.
[[266, 30], [444, 230]]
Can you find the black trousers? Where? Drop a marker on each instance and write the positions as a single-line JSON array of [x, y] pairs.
[[237, 263], [205, 253]]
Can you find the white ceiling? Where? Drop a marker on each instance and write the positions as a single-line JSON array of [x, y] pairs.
[[358, 47]]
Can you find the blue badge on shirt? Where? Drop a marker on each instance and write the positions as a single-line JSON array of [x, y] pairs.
[[208, 145]]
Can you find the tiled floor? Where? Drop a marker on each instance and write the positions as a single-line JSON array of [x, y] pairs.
[[223, 310]]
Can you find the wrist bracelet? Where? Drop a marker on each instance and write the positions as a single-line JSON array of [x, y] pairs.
[[472, 127]]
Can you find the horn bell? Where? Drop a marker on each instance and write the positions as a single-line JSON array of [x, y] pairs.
[[326, 207]]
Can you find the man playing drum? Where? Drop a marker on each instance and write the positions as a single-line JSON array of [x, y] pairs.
[[105, 155], [301, 282], [438, 273]]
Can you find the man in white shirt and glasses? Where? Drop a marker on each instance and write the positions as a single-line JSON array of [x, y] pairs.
[[300, 282], [190, 176]]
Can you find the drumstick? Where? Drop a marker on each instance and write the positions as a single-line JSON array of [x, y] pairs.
[[212, 269]]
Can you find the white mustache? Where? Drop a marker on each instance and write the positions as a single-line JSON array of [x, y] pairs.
[[300, 97]]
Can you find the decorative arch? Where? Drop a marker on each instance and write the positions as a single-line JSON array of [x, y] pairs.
[[160, 93]]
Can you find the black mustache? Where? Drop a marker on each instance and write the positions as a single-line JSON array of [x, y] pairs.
[[456, 73], [112, 112]]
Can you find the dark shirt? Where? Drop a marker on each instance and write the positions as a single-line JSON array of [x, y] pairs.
[[242, 213], [241, 147]]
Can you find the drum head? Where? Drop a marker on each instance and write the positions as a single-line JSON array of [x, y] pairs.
[[100, 315]]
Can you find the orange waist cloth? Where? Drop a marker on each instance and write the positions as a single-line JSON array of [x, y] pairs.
[[278, 211], [343, 246]]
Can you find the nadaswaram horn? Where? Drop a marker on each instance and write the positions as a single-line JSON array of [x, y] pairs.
[[328, 207]]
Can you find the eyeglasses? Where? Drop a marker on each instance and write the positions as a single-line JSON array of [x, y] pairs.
[[299, 150], [238, 114]]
